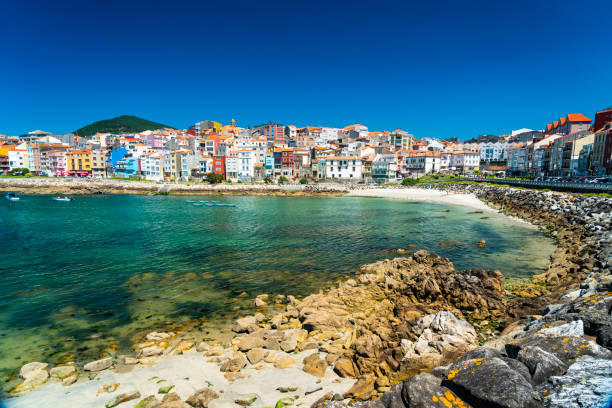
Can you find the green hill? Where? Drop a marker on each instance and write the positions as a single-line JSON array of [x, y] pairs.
[[120, 124]]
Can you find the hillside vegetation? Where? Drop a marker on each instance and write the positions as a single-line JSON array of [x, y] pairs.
[[120, 124]]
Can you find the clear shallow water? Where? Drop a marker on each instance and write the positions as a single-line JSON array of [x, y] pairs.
[[78, 279]]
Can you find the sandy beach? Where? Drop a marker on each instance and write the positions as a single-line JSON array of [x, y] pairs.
[[421, 194], [188, 373]]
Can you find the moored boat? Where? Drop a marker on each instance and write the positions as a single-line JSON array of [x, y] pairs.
[[62, 198], [12, 197]]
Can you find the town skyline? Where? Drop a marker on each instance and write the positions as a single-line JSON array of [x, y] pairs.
[[508, 130]]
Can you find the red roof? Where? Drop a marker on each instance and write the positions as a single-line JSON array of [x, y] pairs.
[[577, 117]]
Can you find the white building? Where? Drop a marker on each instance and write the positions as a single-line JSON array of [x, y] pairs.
[[345, 168], [246, 164], [18, 158], [493, 151], [232, 167], [464, 161], [420, 163], [151, 165]]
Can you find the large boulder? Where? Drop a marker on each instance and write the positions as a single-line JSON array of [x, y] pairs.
[[566, 349], [541, 364], [587, 383], [423, 391], [442, 338], [491, 382], [315, 365]]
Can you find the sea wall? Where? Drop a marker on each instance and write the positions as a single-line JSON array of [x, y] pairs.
[[43, 185]]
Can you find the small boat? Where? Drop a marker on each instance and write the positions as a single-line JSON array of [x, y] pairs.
[[225, 205], [63, 198], [189, 201], [12, 197], [202, 201], [197, 204]]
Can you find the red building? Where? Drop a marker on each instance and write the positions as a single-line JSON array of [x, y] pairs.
[[601, 118], [273, 132], [219, 165]]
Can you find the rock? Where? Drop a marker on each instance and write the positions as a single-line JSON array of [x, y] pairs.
[[250, 342], [35, 377], [165, 389], [99, 365], [121, 398], [487, 382], [314, 365], [148, 402], [312, 390], [246, 400], [481, 244], [172, 400], [202, 346], [575, 328], [245, 324], [62, 372], [321, 402], [156, 336], [234, 364], [70, 379], [31, 369], [423, 391], [259, 303], [260, 317], [362, 390], [290, 343], [151, 351], [130, 360], [202, 397], [587, 383], [541, 364], [287, 389], [284, 362], [566, 349], [442, 339], [271, 344], [346, 368], [255, 355], [185, 345]]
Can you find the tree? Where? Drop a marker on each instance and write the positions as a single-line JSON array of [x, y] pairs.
[[267, 180], [282, 180], [409, 181], [214, 178], [303, 181]]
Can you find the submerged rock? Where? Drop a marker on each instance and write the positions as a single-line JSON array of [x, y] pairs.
[[99, 365]]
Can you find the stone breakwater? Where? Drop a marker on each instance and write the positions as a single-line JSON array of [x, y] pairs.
[[415, 332], [42, 185]]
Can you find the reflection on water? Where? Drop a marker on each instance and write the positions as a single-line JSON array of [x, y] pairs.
[[83, 278]]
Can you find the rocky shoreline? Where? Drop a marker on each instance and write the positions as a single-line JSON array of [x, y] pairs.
[[43, 185], [415, 332]]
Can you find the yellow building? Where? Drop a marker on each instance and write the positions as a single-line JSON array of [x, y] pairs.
[[78, 162]]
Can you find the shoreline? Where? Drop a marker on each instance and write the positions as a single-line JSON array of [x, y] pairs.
[[534, 299]]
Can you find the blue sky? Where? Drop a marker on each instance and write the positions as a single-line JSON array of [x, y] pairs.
[[437, 69]]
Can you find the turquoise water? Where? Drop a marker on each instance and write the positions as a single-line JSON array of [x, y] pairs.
[[81, 278]]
